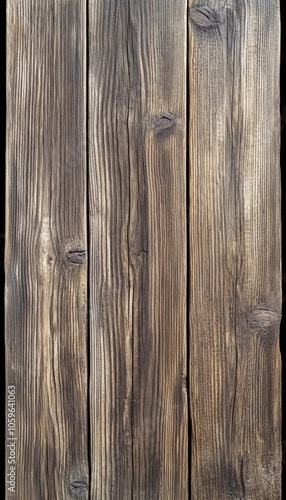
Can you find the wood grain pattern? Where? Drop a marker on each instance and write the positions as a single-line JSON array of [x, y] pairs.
[[182, 96], [235, 296], [137, 193], [46, 270]]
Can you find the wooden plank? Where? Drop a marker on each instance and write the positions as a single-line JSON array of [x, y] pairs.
[[235, 296], [137, 196], [46, 271]]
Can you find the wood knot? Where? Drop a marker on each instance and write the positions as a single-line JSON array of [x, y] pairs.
[[264, 317], [76, 255], [142, 252], [79, 485], [164, 124], [204, 17]]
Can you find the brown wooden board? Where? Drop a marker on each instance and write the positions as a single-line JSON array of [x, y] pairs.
[[137, 201], [235, 291], [46, 270]]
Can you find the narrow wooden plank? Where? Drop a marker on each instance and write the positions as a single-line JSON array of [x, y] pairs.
[[46, 271], [235, 299], [137, 179]]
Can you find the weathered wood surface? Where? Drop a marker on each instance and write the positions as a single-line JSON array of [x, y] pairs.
[[137, 196], [235, 296], [46, 282], [103, 411]]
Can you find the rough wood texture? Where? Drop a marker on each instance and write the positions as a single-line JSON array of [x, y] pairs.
[[46, 271], [107, 417], [235, 296], [137, 172]]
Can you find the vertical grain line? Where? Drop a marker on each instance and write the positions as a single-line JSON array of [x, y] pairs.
[[3, 244], [283, 214], [129, 262], [188, 251], [88, 329], [233, 162]]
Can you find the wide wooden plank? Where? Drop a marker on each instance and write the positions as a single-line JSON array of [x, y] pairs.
[[46, 271], [137, 202], [235, 296]]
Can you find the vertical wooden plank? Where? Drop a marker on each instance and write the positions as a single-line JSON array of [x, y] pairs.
[[235, 299], [137, 185], [46, 271]]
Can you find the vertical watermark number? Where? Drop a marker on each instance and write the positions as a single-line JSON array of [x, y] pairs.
[[11, 438]]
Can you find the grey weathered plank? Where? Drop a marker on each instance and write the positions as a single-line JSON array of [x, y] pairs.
[[46, 275], [137, 196], [235, 296]]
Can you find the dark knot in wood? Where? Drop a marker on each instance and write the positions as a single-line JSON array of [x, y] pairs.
[[164, 124], [79, 485], [76, 255], [204, 17], [265, 317]]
